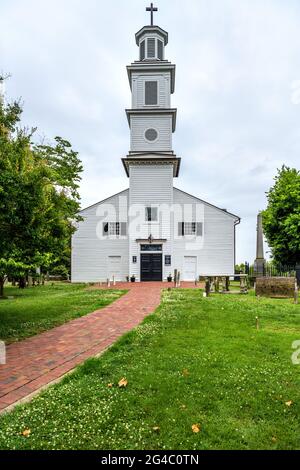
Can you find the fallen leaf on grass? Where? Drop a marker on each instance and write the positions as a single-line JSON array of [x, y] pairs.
[[110, 385], [123, 383], [156, 429], [185, 373], [196, 428], [26, 433], [289, 403]]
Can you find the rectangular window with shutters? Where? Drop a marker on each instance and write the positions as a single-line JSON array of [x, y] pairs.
[[160, 49], [190, 228], [151, 48], [151, 93], [151, 214], [114, 229]]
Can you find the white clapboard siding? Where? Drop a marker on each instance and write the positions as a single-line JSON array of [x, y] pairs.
[[215, 256], [90, 255], [139, 124], [138, 89], [151, 185]]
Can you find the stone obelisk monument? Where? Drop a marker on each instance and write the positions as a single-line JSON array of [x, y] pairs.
[[260, 262], [2, 90]]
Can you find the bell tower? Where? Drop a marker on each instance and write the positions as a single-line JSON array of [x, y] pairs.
[[151, 164], [151, 119]]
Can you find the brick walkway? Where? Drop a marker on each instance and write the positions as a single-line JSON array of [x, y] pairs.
[[40, 360]]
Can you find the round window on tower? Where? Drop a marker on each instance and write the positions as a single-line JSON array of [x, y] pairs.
[[151, 135]]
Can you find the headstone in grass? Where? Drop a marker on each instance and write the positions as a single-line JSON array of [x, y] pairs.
[[276, 287], [174, 278], [207, 287], [296, 295]]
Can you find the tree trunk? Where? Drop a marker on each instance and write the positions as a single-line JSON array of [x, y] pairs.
[[22, 283], [1, 286]]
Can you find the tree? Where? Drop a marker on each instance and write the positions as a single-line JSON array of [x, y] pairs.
[[11, 268], [281, 219], [240, 268], [39, 199]]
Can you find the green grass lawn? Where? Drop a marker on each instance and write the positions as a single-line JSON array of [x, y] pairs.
[[38, 309], [195, 361]]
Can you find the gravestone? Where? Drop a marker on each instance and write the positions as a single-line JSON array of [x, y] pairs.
[[207, 287], [276, 287], [298, 274]]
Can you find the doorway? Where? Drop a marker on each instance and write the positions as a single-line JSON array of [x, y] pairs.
[[151, 267]]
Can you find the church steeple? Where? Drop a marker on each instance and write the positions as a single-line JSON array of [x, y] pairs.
[[151, 119]]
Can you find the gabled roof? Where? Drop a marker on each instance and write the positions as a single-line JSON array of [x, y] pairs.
[[238, 219], [104, 200]]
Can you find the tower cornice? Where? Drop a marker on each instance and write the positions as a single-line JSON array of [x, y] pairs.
[[153, 112], [153, 159]]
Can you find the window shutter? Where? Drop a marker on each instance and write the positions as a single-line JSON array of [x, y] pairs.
[[151, 93], [142, 50], [123, 229], [154, 214], [160, 50], [199, 229], [181, 229], [151, 48], [105, 229]]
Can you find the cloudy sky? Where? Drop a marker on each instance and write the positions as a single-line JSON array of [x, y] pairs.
[[237, 90]]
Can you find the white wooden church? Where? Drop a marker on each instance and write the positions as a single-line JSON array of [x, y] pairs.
[[152, 228]]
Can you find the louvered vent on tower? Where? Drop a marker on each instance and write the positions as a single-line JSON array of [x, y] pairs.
[[151, 97], [151, 48]]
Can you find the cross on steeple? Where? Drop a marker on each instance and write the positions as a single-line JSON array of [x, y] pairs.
[[151, 9]]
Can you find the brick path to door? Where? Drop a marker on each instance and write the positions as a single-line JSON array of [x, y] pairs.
[[36, 362]]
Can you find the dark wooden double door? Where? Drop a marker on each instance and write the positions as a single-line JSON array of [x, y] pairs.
[[151, 267]]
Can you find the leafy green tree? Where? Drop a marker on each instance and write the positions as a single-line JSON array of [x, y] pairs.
[[39, 199], [281, 219], [11, 268], [240, 268]]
